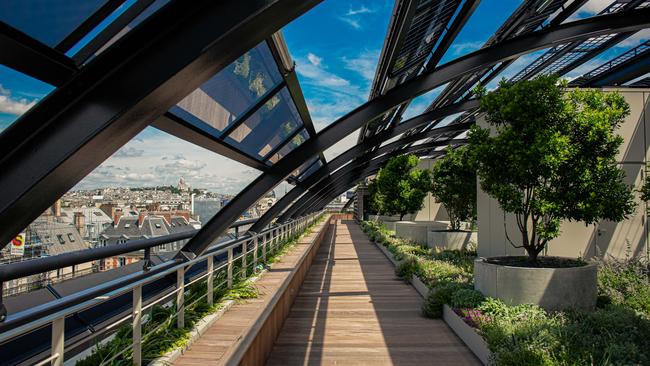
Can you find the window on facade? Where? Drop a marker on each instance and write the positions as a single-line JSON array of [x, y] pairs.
[[71, 237], [122, 261], [60, 238]]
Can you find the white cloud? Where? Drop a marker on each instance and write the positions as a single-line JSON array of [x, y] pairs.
[[351, 22], [164, 160], [459, 49], [313, 69], [361, 10], [128, 152], [353, 16], [315, 60], [15, 106], [364, 64]]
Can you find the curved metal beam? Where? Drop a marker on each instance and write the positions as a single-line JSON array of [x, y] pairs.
[[606, 24], [360, 148], [120, 92], [374, 158], [342, 186]]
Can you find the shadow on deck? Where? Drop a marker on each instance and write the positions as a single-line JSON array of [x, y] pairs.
[[353, 310]]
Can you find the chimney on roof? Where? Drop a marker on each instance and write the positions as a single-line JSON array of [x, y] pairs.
[[56, 208], [116, 217], [141, 217], [80, 223]]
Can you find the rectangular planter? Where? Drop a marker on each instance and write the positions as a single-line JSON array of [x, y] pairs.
[[467, 334]]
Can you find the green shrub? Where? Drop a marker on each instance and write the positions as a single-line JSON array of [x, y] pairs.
[[466, 298], [626, 283], [439, 296], [612, 335], [436, 272], [407, 267]]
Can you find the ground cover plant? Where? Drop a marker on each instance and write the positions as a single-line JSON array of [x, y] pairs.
[[616, 333], [160, 334]]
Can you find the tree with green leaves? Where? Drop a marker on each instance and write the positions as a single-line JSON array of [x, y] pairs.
[[399, 187], [454, 185], [552, 158]]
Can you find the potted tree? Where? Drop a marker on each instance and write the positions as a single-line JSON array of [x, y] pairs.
[[400, 187], [550, 156], [454, 185]]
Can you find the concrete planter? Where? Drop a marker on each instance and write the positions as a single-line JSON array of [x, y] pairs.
[[416, 231], [467, 334], [550, 288], [447, 239]]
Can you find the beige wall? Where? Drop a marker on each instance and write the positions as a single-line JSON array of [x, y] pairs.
[[600, 240], [431, 210]]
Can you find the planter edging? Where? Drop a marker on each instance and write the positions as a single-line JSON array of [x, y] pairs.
[[467, 334], [550, 288], [201, 326]]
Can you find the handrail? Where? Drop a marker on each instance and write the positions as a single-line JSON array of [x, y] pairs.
[[32, 318], [12, 271]]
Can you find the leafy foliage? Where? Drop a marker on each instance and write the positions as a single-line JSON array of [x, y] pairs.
[[400, 187], [454, 185], [625, 283], [553, 157], [613, 334]]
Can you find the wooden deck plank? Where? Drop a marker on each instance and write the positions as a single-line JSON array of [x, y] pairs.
[[350, 310], [353, 310]]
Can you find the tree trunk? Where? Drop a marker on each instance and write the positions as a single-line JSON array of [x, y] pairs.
[[401, 216]]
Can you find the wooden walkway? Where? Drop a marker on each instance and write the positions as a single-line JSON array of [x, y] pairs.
[[353, 310]]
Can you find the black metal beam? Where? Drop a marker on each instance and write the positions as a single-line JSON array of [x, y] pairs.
[[372, 160], [31, 57], [355, 151], [87, 25], [486, 57], [622, 73], [201, 136], [346, 182], [116, 95], [104, 37], [459, 22]]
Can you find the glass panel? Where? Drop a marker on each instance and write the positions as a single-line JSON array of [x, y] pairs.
[[305, 166], [234, 90], [49, 21], [311, 170], [294, 143], [110, 19], [18, 93], [269, 126]]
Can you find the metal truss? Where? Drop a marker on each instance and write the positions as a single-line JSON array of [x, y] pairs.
[[506, 50], [120, 92]]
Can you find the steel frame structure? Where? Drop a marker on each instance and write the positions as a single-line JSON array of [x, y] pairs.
[[105, 99], [486, 57]]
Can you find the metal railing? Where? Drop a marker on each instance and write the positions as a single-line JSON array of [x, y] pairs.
[[54, 313]]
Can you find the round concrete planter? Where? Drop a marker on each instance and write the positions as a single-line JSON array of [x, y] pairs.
[[550, 288], [451, 239]]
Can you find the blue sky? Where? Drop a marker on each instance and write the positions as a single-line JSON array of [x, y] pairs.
[[335, 47]]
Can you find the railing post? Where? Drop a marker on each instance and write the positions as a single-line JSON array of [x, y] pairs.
[[244, 260], [254, 252], [180, 298], [230, 267], [58, 341], [137, 325], [264, 241], [210, 281]]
